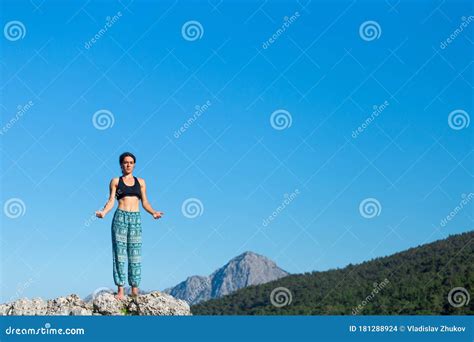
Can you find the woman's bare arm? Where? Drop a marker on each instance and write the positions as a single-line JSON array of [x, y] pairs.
[[145, 203], [111, 201]]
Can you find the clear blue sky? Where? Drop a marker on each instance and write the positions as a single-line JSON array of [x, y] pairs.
[[143, 70]]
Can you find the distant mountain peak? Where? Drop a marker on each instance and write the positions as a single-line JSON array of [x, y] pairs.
[[248, 254], [248, 268]]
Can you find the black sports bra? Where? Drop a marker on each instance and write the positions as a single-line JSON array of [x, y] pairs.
[[125, 190]]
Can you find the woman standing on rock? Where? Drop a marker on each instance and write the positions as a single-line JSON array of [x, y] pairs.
[[126, 224]]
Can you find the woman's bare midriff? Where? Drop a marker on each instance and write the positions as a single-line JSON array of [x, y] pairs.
[[129, 203]]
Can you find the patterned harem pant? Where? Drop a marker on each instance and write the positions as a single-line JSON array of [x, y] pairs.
[[126, 242]]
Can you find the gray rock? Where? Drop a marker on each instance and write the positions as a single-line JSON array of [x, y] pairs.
[[28, 307], [159, 304], [71, 305], [106, 304], [154, 303], [5, 309]]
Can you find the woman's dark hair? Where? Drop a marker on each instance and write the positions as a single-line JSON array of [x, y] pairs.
[[126, 154]]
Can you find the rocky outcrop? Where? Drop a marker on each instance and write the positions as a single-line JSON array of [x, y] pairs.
[[104, 304], [71, 305], [152, 304]]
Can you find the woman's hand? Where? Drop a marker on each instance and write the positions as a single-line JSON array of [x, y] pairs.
[[157, 214], [100, 214]]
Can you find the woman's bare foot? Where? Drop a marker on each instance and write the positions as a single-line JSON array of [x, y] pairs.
[[134, 291], [120, 293]]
